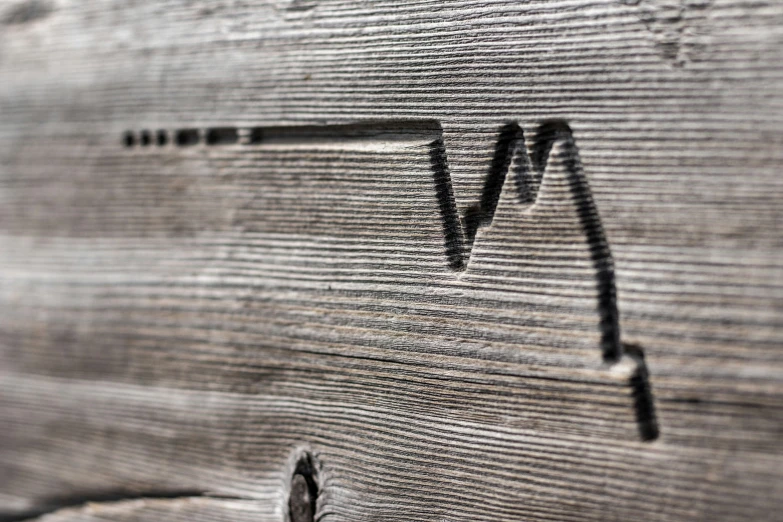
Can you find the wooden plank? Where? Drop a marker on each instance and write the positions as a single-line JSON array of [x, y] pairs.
[[516, 261], [187, 508]]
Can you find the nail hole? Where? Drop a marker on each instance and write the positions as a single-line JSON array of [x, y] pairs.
[[304, 490], [129, 139], [222, 136], [161, 137], [187, 137]]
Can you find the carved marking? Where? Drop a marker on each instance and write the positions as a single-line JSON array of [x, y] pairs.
[[510, 159], [187, 137], [460, 233], [222, 136]]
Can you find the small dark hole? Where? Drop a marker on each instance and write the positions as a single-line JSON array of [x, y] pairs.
[[161, 137], [187, 137], [222, 136], [256, 135], [145, 138], [129, 139], [304, 490]]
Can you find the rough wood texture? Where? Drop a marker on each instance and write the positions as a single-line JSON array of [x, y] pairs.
[[416, 260]]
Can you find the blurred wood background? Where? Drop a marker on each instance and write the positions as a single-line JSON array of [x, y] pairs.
[[391, 260]]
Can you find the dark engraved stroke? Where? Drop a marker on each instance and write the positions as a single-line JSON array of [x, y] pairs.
[[510, 159]]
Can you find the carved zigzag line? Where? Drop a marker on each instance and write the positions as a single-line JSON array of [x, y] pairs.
[[510, 159]]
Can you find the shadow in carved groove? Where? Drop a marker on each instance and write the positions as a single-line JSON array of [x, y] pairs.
[[511, 159], [510, 155], [459, 233]]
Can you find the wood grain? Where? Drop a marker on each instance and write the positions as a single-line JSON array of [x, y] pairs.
[[440, 260]]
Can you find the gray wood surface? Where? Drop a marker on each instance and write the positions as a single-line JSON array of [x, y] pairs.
[[395, 260]]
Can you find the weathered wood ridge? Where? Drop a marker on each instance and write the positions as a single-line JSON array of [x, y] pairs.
[[353, 261]]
